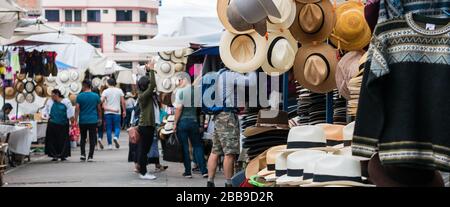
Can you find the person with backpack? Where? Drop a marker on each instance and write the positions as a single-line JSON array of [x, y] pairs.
[[226, 135], [187, 127]]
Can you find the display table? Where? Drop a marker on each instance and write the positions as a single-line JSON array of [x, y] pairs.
[[20, 138]]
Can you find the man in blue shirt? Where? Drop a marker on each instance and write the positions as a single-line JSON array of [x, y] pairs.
[[89, 116]]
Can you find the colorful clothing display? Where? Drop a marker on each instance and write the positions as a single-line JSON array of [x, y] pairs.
[[402, 111]]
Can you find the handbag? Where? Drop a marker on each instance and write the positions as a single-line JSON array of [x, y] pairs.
[[173, 149], [133, 134]]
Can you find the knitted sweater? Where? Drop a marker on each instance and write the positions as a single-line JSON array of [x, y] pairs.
[[394, 8], [404, 107]]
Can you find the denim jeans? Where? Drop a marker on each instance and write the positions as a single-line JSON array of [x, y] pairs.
[[126, 122], [188, 129], [112, 121]]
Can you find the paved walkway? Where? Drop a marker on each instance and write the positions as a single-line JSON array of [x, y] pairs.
[[110, 169]]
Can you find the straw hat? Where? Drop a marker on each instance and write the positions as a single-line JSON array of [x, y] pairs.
[[21, 76], [165, 55], [20, 98], [29, 98], [49, 90], [222, 6], [38, 78], [41, 91], [64, 91], [268, 120], [352, 31], [166, 85], [50, 80], [165, 69], [253, 11], [314, 22], [315, 67], [30, 86], [256, 165], [96, 83], [242, 53], [74, 75], [75, 87], [333, 170], [281, 52], [271, 155], [180, 56], [296, 163], [19, 86], [354, 87], [347, 68], [10, 93], [287, 11], [63, 78], [169, 125], [280, 166], [239, 24], [179, 67], [333, 133], [307, 137]]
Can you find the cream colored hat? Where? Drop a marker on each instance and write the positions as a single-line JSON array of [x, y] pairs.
[[307, 137], [243, 53], [165, 69], [64, 91], [165, 55], [166, 85], [222, 6], [74, 75], [296, 163], [29, 98], [271, 155], [347, 68], [63, 78], [287, 10], [96, 83], [20, 98], [179, 67], [281, 52], [75, 87], [51, 80], [280, 167], [333, 170], [49, 90]]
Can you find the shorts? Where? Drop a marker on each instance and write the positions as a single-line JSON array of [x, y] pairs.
[[226, 134]]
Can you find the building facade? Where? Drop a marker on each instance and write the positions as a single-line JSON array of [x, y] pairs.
[[103, 23], [33, 7]]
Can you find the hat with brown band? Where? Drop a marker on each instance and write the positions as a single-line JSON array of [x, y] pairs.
[[19, 86], [281, 52], [268, 120], [315, 21], [41, 91]]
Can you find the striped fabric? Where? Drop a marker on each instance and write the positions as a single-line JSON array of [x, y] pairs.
[[394, 8]]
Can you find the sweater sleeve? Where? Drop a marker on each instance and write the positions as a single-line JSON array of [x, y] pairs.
[[147, 94], [370, 115]]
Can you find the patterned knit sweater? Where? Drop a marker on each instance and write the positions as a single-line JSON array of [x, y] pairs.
[[394, 8], [404, 107]]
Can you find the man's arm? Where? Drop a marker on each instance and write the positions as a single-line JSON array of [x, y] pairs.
[[77, 112], [124, 112], [178, 111]]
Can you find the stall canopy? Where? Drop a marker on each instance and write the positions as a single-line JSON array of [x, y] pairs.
[[9, 17], [205, 31], [63, 66]]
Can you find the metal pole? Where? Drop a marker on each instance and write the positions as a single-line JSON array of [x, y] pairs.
[[329, 110]]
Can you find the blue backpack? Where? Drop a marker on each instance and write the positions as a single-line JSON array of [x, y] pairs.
[[208, 84]]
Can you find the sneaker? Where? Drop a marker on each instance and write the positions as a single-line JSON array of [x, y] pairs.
[[116, 142], [110, 147], [90, 159], [210, 184], [83, 158], [196, 170], [100, 145], [54, 159], [147, 177], [205, 175], [186, 175]]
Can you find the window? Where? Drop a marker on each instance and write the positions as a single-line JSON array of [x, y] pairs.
[[105, 11], [124, 15], [52, 15], [141, 37], [143, 16], [93, 15], [72, 15], [94, 40], [123, 38], [126, 64]]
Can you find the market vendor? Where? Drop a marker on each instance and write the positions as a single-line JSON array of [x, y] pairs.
[[6, 110], [61, 113]]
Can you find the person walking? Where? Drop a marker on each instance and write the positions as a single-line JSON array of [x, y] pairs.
[[187, 128], [226, 135], [60, 112], [100, 127], [88, 113], [129, 103], [113, 100], [146, 126]]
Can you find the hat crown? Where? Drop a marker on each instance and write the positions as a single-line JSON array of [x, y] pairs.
[[348, 131], [167, 83], [333, 131], [351, 24], [179, 66], [243, 48], [316, 70], [282, 52], [273, 117], [178, 53], [284, 7], [311, 18], [313, 134], [339, 166], [273, 152], [63, 77], [280, 161], [299, 160], [253, 11], [165, 67]]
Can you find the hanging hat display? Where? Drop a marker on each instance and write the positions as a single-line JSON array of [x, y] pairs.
[[314, 22], [29, 86], [222, 6], [64, 91], [281, 52], [165, 69], [347, 68], [179, 67], [49, 90], [96, 83], [51, 80], [20, 98], [74, 75], [29, 98], [239, 24], [351, 31], [75, 87], [287, 11], [9, 93], [253, 11], [180, 56], [165, 55], [242, 53], [41, 91], [38, 78], [63, 78], [19, 86], [315, 67], [21, 76], [166, 85]]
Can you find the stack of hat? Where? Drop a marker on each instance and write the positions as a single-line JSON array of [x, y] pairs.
[[312, 107], [27, 88], [67, 81], [271, 129], [167, 65], [307, 161], [339, 109], [257, 35], [249, 117], [354, 87]]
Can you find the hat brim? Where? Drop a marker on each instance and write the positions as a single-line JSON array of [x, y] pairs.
[[160, 87], [253, 64], [44, 91], [271, 177], [253, 166], [20, 88], [288, 180], [20, 98], [164, 56], [31, 99], [273, 35], [264, 172], [338, 183], [252, 131], [285, 21], [78, 88], [324, 32], [222, 6], [162, 74], [330, 55], [325, 149]]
